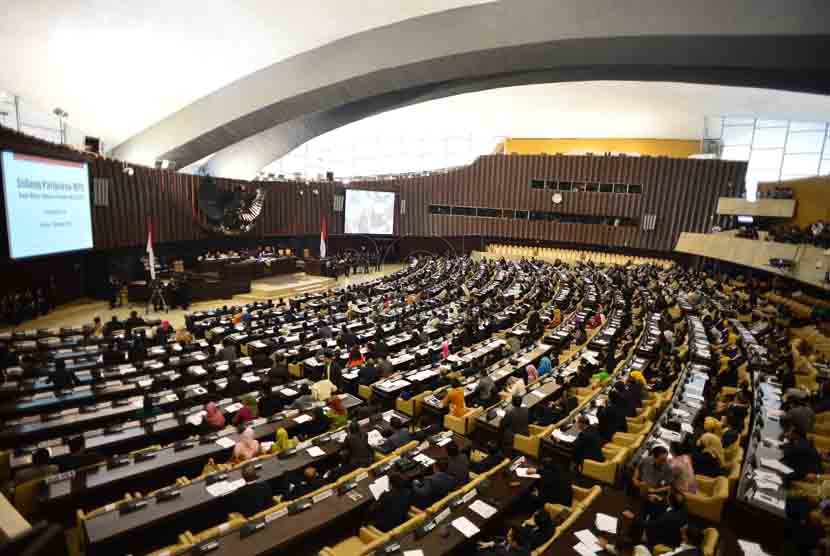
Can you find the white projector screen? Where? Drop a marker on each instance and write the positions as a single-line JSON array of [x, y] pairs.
[[370, 212], [47, 205]]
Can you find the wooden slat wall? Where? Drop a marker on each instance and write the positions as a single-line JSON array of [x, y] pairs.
[[682, 193]]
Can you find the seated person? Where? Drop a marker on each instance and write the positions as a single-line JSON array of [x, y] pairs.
[[317, 426], [305, 399], [252, 498], [279, 374], [492, 458], [40, 468], [399, 437], [310, 482], [79, 456], [357, 442], [800, 454], [282, 441], [682, 467], [663, 527], [61, 378], [455, 400], [247, 447], [588, 443], [269, 402], [708, 458], [213, 420], [515, 421], [392, 508], [611, 417], [458, 464], [248, 412], [516, 543], [338, 413], [485, 389], [434, 487], [691, 544], [554, 485], [514, 387], [368, 374], [356, 358], [540, 530]]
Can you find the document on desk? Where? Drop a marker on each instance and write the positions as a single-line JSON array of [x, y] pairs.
[[304, 418], [233, 407], [584, 550], [776, 465], [417, 552], [220, 489], [226, 442], [315, 452], [526, 474], [590, 540], [751, 548], [773, 501], [559, 435], [483, 509], [195, 419], [288, 392], [375, 438], [606, 523], [465, 526], [380, 486]]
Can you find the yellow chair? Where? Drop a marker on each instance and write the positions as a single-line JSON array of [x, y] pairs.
[[26, 497], [606, 471], [363, 543], [412, 406], [528, 445], [365, 392], [295, 370], [465, 424], [5, 465], [708, 502]]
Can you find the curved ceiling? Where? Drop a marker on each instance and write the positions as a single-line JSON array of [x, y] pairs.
[[257, 101], [454, 130], [119, 67]]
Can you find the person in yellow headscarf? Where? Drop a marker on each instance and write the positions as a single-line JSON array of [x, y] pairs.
[[283, 441], [709, 459], [637, 384], [712, 425]]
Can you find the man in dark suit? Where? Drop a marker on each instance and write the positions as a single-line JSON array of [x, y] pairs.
[[612, 417], [392, 507], [588, 444], [254, 497], [800, 454], [458, 464], [347, 338], [399, 437], [434, 487], [515, 421]]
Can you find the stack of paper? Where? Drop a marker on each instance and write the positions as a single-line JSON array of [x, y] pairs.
[[588, 543], [751, 548], [315, 452], [380, 486], [606, 523], [226, 442], [525, 473], [776, 465], [304, 418], [375, 438], [465, 526], [561, 436], [483, 509]]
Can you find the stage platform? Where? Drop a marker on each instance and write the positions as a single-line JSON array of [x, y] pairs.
[[286, 285]]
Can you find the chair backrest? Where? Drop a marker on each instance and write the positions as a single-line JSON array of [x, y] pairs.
[[25, 497]]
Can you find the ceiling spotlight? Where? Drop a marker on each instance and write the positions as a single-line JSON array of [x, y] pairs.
[[60, 113]]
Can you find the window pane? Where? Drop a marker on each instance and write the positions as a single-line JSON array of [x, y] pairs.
[[713, 127], [733, 120], [800, 164], [771, 137], [807, 126], [805, 142], [737, 135], [825, 167], [772, 123], [735, 153], [766, 160]]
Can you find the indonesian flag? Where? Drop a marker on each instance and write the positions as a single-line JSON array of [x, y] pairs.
[[323, 239], [151, 256]]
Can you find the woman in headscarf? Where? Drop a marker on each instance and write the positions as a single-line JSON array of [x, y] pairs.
[[445, 349], [708, 459], [213, 417], [248, 412], [356, 358], [532, 373], [637, 385], [247, 447], [712, 425], [337, 412], [283, 441], [545, 366]]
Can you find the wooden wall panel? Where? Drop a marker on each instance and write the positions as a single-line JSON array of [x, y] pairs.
[[681, 192]]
